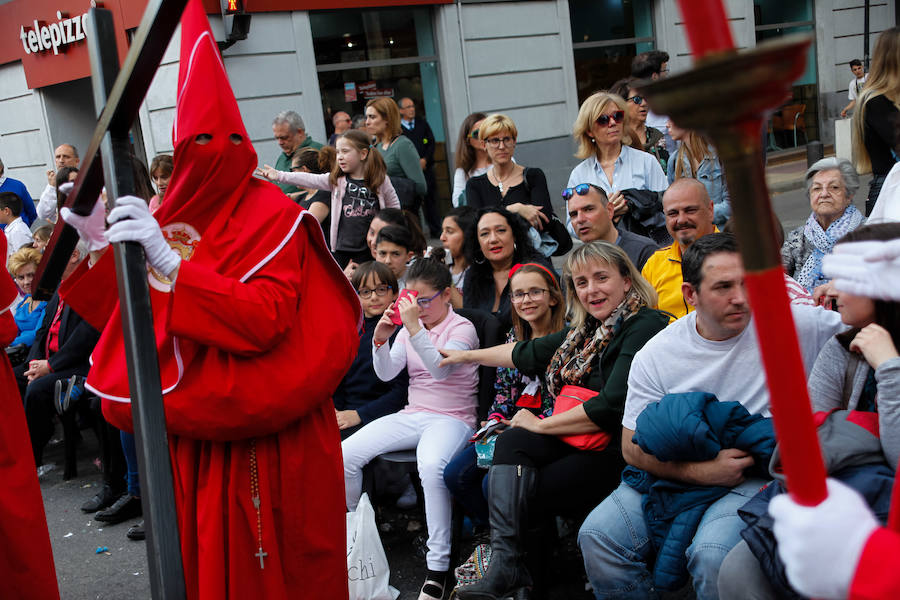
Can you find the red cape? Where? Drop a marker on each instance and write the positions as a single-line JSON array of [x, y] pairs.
[[253, 338], [26, 558]]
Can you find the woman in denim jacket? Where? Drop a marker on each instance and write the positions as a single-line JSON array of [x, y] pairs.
[[697, 158]]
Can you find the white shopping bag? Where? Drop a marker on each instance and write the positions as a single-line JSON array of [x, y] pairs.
[[367, 566]]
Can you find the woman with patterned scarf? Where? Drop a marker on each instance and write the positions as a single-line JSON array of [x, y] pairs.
[[534, 470], [830, 185]]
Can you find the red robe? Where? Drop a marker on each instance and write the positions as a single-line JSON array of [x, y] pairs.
[[877, 576], [258, 359], [26, 558]]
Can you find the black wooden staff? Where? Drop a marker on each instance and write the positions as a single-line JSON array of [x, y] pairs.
[[118, 96]]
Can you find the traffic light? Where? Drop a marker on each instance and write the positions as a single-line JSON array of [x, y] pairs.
[[232, 7], [236, 20]]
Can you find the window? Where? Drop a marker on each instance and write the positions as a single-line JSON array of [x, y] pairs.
[[796, 121], [606, 35], [363, 54]]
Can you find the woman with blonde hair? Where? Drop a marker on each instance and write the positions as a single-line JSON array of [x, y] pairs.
[[398, 152], [696, 158], [29, 314], [875, 120], [506, 184], [609, 160], [535, 463]]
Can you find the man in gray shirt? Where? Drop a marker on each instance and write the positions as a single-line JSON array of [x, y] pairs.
[[591, 215]]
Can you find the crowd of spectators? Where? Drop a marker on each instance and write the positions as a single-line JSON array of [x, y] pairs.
[[647, 327]]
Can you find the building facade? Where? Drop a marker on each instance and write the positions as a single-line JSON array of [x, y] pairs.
[[534, 60]]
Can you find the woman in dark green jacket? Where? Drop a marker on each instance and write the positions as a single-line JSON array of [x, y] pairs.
[[532, 466]]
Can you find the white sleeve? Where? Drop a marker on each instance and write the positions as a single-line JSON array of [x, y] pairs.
[[459, 186], [643, 388], [430, 356], [656, 179], [815, 326], [46, 208], [318, 181], [389, 359]]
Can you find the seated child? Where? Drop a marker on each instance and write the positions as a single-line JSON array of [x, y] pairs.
[[361, 396], [394, 248]]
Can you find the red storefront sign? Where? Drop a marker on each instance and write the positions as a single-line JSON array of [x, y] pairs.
[[49, 36]]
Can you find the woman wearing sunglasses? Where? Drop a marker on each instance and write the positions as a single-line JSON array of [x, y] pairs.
[[609, 162], [471, 157], [439, 417], [643, 137]]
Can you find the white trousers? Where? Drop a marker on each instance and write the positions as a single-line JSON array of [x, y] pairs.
[[436, 438]]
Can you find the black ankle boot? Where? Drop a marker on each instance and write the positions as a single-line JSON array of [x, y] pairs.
[[510, 489]]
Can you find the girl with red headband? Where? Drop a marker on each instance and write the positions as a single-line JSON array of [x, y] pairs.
[[538, 310]]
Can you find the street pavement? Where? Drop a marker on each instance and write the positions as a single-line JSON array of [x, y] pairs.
[[120, 571]]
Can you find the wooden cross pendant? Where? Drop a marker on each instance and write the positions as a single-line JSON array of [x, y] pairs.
[[261, 556]]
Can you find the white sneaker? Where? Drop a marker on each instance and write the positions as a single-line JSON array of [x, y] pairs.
[[44, 469], [409, 498]]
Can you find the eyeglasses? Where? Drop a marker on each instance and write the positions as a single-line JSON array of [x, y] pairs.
[[617, 116], [380, 290], [474, 134], [636, 99], [833, 189], [25, 277], [581, 189], [505, 140], [426, 302], [535, 294]]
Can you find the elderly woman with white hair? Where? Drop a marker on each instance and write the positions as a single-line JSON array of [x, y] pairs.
[[830, 186]]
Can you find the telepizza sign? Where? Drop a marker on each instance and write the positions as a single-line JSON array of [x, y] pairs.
[[50, 37], [54, 37]]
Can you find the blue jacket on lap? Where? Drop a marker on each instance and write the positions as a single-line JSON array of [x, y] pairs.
[[693, 426]]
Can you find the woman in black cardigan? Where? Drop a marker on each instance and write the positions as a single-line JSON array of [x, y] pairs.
[[498, 240]]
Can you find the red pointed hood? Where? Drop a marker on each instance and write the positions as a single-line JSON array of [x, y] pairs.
[[208, 179]]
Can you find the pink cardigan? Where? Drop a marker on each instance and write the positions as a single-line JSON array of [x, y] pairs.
[[387, 197]]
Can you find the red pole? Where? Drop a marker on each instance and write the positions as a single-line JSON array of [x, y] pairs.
[[707, 27]]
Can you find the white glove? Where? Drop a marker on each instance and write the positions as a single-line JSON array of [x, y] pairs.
[[131, 221], [91, 227], [820, 546], [865, 268]]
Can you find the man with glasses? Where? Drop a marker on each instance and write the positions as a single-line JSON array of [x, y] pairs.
[[290, 133], [419, 132], [591, 214]]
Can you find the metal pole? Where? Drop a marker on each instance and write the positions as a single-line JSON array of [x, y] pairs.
[[866, 34], [158, 499]]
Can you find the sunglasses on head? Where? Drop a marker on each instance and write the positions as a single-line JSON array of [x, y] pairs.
[[636, 99], [581, 189], [617, 116]]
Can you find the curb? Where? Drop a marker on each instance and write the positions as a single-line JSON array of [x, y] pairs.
[[786, 186]]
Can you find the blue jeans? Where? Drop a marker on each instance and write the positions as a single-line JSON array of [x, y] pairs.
[[468, 484], [132, 479], [616, 546]]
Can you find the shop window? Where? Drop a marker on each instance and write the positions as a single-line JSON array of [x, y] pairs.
[[606, 35], [386, 52], [797, 121]]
